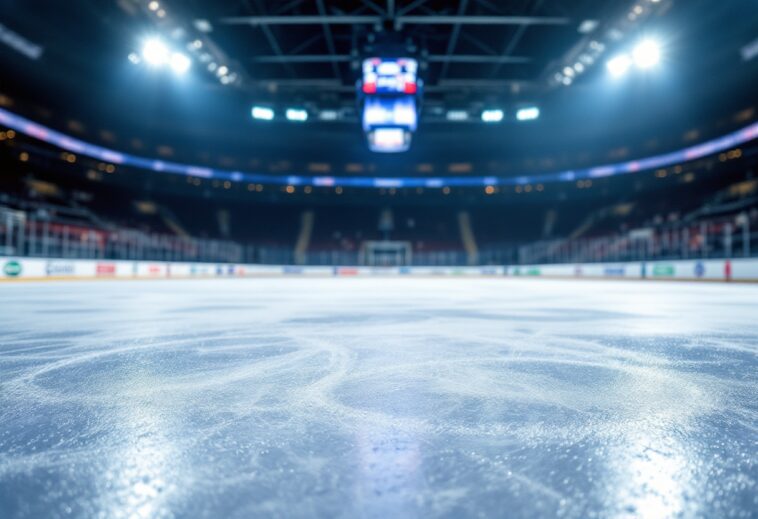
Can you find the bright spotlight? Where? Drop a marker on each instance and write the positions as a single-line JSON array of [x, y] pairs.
[[180, 63], [155, 52], [262, 113], [296, 114], [646, 54], [492, 116], [619, 65], [528, 113]]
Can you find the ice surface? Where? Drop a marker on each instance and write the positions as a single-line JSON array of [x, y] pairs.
[[391, 397]]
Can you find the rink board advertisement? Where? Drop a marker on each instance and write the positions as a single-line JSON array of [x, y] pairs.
[[60, 268], [53, 268], [711, 269]]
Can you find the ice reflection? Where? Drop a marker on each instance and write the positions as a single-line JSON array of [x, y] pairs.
[[389, 471], [654, 457], [137, 481], [655, 477], [389, 462]]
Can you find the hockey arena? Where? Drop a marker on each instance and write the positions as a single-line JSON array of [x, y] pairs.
[[406, 258]]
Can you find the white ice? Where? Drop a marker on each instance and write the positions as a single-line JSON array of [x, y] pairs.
[[378, 397]]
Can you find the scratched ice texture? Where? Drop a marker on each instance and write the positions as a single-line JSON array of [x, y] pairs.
[[378, 397]]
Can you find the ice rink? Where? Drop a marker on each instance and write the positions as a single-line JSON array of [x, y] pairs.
[[378, 397]]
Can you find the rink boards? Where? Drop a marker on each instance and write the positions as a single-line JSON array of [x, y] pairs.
[[51, 268]]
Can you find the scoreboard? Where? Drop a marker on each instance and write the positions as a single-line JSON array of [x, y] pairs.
[[388, 94]]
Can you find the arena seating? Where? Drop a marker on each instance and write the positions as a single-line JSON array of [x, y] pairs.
[[497, 228]]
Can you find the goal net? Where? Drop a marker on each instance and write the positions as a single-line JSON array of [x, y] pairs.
[[385, 253]]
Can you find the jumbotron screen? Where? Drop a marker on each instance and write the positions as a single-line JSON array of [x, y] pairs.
[[390, 76], [398, 111]]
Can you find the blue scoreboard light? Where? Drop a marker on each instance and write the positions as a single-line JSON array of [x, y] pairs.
[[389, 93], [390, 111]]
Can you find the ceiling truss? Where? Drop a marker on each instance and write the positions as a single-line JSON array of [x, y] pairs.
[[334, 32]]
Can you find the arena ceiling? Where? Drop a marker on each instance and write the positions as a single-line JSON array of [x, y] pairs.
[[71, 60], [477, 47]]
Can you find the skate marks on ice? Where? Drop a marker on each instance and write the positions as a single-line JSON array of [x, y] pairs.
[[378, 398]]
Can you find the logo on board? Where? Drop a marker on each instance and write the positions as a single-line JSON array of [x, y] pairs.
[[60, 268], [105, 269], [664, 270], [12, 268]]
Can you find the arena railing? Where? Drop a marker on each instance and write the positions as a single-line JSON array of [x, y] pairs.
[[22, 235], [729, 237]]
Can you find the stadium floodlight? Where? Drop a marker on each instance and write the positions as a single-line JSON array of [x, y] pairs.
[[180, 63], [619, 65], [456, 115], [262, 113], [587, 26], [296, 114], [155, 52], [528, 113], [647, 54], [203, 25], [492, 115]]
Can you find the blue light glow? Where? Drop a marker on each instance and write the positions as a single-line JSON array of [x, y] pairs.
[[74, 145]]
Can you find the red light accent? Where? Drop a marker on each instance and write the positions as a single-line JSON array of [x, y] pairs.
[[410, 88], [369, 88]]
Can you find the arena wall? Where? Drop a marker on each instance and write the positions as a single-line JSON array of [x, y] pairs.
[[60, 268]]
